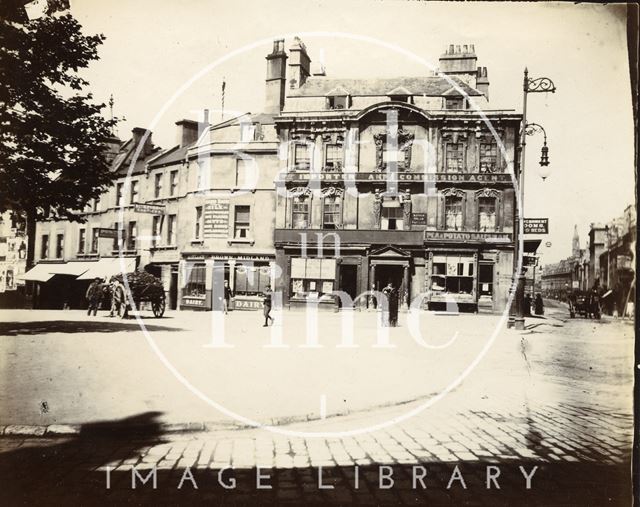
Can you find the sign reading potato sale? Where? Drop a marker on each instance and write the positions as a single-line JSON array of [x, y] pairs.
[[536, 226]]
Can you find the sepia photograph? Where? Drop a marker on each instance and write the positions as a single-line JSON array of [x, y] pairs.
[[358, 252]]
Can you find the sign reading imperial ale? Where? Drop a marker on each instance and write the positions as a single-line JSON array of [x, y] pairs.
[[536, 225]]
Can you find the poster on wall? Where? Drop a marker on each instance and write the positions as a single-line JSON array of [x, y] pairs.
[[216, 218]]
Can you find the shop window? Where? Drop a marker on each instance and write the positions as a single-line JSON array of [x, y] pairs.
[[82, 239], [173, 183], [453, 213], [135, 191], [454, 103], [301, 157], [454, 157], [120, 194], [59, 246], [338, 102], [132, 233], [195, 276], [331, 212], [94, 240], [333, 157], [300, 212], [392, 218], [241, 222], [197, 234], [171, 230], [452, 274], [487, 213], [157, 185], [488, 157], [251, 278], [156, 230], [312, 278]]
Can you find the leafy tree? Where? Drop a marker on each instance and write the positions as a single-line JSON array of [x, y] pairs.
[[52, 136]]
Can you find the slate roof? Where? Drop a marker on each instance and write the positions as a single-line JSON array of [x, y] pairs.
[[433, 86], [173, 155], [122, 161]]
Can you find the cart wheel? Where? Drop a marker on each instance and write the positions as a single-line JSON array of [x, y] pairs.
[[158, 307]]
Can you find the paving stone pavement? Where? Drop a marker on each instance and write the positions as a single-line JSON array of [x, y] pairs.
[[580, 453]]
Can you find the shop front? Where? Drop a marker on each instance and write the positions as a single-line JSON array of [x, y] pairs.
[[204, 277]]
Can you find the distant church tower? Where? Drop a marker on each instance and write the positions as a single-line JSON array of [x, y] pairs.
[[575, 247]]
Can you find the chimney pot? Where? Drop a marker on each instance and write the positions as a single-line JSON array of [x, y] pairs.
[[465, 49], [457, 48], [450, 49]]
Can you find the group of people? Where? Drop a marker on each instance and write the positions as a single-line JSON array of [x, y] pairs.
[[227, 294], [98, 291], [537, 304]]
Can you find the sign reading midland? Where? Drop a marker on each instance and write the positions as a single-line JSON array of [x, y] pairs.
[[399, 176], [536, 225]]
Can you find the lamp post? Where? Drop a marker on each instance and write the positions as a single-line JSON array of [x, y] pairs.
[[538, 85]]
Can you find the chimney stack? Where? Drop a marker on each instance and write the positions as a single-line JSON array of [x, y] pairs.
[[460, 62], [187, 132], [276, 78], [482, 82], [299, 64], [137, 133]]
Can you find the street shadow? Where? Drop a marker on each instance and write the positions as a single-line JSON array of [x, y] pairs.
[[75, 326], [44, 472], [62, 471]]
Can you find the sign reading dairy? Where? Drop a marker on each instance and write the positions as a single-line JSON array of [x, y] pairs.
[[216, 218], [536, 226]]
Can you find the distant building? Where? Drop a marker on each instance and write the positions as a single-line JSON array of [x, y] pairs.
[[572, 272], [13, 250]]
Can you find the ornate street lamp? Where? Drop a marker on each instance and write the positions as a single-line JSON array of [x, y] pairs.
[[538, 85], [534, 128]]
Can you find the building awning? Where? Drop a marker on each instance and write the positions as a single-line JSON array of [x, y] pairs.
[[106, 268], [531, 245], [38, 273]]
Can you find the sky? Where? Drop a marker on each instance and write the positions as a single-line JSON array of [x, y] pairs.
[[155, 48]]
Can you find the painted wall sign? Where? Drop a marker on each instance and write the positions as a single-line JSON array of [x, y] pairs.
[[193, 301], [488, 237], [154, 209], [108, 233], [536, 226], [401, 176], [418, 219], [246, 304], [216, 218]]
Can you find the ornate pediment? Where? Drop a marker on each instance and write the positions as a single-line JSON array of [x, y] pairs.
[[300, 192], [455, 192], [488, 192], [330, 191], [390, 251]]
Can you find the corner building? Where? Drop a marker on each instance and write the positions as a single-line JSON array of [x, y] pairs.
[[397, 180]]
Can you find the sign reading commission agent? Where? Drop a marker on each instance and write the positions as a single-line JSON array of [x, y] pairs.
[[401, 176], [536, 226]]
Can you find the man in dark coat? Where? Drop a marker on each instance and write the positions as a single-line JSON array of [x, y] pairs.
[[266, 306], [94, 296], [392, 300], [539, 305]]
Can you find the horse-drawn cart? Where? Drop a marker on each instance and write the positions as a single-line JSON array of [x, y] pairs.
[[144, 288], [586, 304]]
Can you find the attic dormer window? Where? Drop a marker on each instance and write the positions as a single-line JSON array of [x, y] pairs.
[[454, 103], [338, 102], [401, 98]]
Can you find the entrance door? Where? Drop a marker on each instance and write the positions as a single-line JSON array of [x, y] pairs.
[[173, 288], [485, 285], [388, 273], [349, 279]]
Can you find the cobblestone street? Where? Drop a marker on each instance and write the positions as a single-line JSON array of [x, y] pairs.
[[564, 407]]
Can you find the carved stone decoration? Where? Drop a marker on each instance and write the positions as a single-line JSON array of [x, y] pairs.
[[329, 191], [406, 210], [377, 208], [488, 192], [405, 142], [300, 192], [456, 192]]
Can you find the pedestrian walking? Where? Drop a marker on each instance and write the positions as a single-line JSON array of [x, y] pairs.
[[527, 305], [94, 296], [228, 294], [266, 306], [539, 305]]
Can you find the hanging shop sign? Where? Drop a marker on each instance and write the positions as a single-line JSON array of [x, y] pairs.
[[108, 233], [153, 209]]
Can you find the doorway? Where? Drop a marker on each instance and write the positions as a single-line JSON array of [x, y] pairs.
[[389, 273], [349, 280], [173, 288]]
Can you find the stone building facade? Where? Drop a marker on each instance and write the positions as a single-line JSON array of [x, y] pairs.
[[405, 176], [339, 185]]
